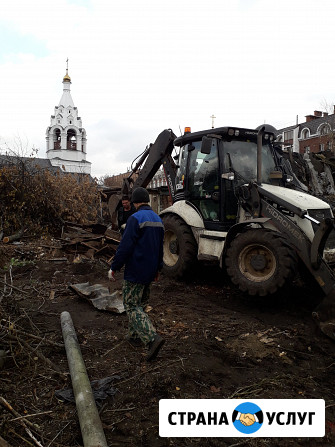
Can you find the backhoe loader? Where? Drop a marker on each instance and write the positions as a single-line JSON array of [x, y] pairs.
[[237, 202]]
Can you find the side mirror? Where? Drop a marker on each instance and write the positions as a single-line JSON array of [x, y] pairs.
[[206, 145]]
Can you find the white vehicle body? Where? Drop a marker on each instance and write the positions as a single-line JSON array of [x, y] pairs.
[[211, 243]]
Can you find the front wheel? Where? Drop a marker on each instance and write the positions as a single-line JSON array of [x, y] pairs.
[[180, 247], [260, 261]]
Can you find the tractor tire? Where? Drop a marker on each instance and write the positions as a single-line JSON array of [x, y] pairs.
[[180, 248], [260, 261]]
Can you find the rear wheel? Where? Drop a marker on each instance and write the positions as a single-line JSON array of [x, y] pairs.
[[180, 247], [260, 261]]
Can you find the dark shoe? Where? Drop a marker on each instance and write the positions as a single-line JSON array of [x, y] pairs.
[[134, 342], [154, 346]]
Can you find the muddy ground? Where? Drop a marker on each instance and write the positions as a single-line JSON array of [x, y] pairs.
[[219, 344]]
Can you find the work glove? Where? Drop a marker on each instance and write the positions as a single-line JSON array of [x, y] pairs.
[[111, 276]]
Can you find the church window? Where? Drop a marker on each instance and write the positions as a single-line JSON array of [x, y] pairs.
[[71, 139], [57, 139]]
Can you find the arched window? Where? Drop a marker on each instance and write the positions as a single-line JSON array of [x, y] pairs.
[[71, 140], [57, 139], [324, 130], [305, 134]]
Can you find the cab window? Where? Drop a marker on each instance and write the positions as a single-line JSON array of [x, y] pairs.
[[203, 180]]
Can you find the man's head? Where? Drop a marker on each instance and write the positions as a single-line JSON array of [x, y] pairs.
[[139, 197], [126, 203]]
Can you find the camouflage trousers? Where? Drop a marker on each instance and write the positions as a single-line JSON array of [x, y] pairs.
[[135, 297]]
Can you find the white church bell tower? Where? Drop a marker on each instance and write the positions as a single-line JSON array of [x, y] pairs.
[[66, 138]]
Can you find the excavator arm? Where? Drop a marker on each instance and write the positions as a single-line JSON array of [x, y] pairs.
[[155, 155]]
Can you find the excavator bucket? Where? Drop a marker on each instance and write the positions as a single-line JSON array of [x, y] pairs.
[[113, 204], [324, 315]]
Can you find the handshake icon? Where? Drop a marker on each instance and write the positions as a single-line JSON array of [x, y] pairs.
[[248, 419]]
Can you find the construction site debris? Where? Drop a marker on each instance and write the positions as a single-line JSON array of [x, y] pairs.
[[89, 241], [101, 389], [316, 171], [100, 296]]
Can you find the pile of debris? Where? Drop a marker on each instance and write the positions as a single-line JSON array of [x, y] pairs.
[[316, 171], [89, 241]]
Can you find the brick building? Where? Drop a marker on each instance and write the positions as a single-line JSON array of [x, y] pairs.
[[157, 188], [316, 134], [157, 181]]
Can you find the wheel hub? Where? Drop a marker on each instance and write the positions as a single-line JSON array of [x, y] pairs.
[[258, 262], [173, 247]]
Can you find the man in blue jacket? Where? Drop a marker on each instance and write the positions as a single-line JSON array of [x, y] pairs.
[[141, 252]]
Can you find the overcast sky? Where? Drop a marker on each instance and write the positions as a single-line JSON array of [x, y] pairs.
[[140, 66]]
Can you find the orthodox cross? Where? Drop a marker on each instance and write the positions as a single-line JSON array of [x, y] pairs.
[[212, 120]]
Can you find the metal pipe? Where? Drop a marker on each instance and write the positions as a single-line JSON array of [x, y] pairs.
[[259, 154], [89, 420]]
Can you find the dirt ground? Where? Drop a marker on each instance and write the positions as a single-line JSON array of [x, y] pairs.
[[219, 344]]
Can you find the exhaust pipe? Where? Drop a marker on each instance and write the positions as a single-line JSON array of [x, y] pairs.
[[259, 154]]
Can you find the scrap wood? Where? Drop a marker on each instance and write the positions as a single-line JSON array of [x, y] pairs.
[[13, 237], [91, 249], [100, 241], [112, 234], [104, 249], [93, 244], [113, 241], [77, 227], [75, 239], [89, 254], [96, 228]]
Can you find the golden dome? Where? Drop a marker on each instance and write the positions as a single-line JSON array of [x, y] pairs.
[[67, 77]]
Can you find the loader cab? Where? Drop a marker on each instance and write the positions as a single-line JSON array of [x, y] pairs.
[[212, 166]]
